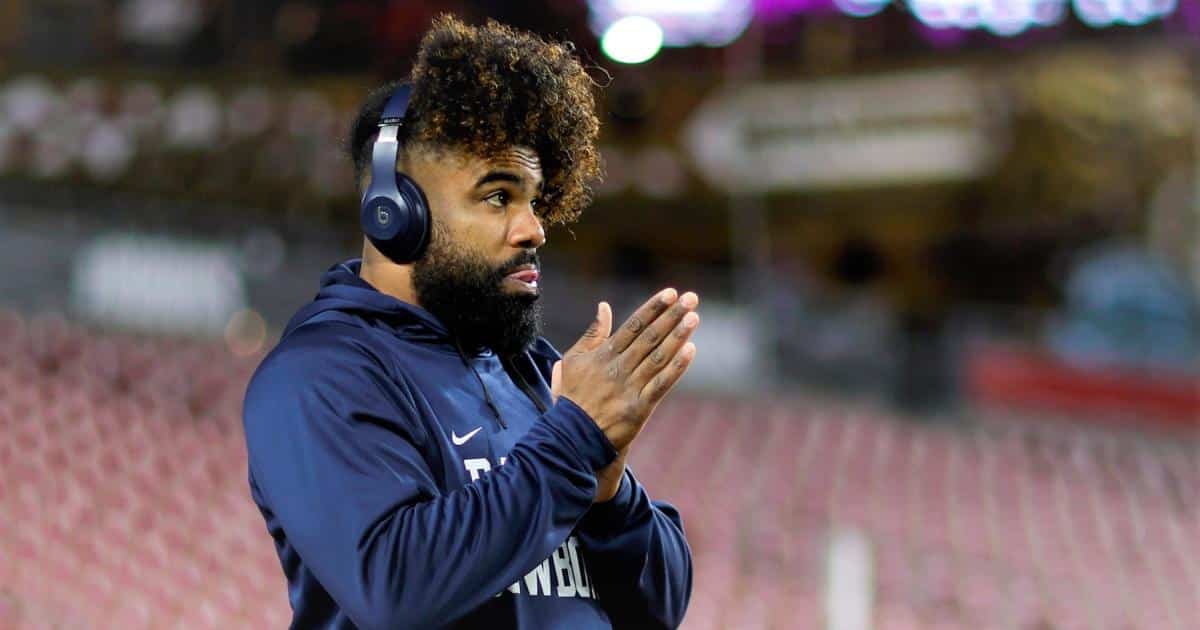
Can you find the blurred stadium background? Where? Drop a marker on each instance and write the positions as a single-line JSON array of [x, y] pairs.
[[949, 251]]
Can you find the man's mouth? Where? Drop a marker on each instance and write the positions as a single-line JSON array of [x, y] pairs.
[[526, 277]]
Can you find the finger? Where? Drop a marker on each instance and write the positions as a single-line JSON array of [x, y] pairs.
[[644, 316], [657, 388], [605, 329], [670, 346], [596, 332], [555, 380], [645, 343]]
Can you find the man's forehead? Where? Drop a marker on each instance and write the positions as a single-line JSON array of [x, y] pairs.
[[515, 165], [514, 158]]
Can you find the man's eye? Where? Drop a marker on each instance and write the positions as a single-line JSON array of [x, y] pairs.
[[498, 199]]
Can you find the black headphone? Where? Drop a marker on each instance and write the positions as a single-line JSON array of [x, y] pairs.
[[394, 212]]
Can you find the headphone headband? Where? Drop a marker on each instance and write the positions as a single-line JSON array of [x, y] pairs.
[[396, 107]]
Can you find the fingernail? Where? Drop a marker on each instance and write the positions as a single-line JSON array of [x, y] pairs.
[[690, 320], [689, 350], [689, 299], [667, 296]]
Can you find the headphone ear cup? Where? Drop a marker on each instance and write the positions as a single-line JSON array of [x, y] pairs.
[[382, 217], [420, 223], [396, 219], [393, 212]]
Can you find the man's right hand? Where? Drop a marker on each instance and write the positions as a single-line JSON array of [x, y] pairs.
[[619, 379]]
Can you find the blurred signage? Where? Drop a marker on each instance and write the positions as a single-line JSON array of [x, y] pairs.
[[1023, 378], [913, 127], [157, 284], [732, 360]]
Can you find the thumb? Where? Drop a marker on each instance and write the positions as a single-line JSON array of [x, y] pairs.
[[597, 332]]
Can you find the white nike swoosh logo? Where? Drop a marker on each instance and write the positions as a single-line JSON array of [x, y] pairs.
[[459, 441]]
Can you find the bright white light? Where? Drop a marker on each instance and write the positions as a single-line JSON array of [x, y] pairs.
[[632, 39], [1049, 12], [860, 8], [1001, 17], [678, 7], [107, 151], [1094, 13], [683, 22], [1011, 17], [30, 101], [1007, 18], [194, 119], [1101, 13]]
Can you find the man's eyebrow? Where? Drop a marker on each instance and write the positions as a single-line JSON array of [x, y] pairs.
[[499, 176], [503, 176]]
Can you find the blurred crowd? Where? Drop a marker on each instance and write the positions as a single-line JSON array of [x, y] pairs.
[[1067, 227]]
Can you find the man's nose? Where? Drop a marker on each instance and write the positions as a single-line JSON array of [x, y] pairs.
[[526, 231]]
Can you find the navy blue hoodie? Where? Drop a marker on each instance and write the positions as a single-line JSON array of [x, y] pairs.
[[407, 484]]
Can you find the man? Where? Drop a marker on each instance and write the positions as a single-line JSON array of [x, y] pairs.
[[421, 456]]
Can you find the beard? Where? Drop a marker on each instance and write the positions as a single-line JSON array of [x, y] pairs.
[[466, 293]]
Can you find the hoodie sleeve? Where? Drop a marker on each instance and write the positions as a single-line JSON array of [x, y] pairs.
[[639, 558], [335, 450], [638, 553]]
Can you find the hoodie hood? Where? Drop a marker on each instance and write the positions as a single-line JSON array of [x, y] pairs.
[[343, 290]]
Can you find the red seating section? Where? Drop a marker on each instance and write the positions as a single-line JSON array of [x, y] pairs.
[[124, 503], [1002, 525], [123, 493]]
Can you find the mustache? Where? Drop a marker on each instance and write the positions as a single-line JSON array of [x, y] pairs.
[[527, 257]]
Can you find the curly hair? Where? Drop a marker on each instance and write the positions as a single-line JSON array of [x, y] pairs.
[[485, 89]]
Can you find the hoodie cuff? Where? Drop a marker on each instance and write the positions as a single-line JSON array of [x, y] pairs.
[[582, 434], [611, 517]]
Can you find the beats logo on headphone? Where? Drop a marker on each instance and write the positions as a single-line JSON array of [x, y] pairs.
[[394, 212]]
